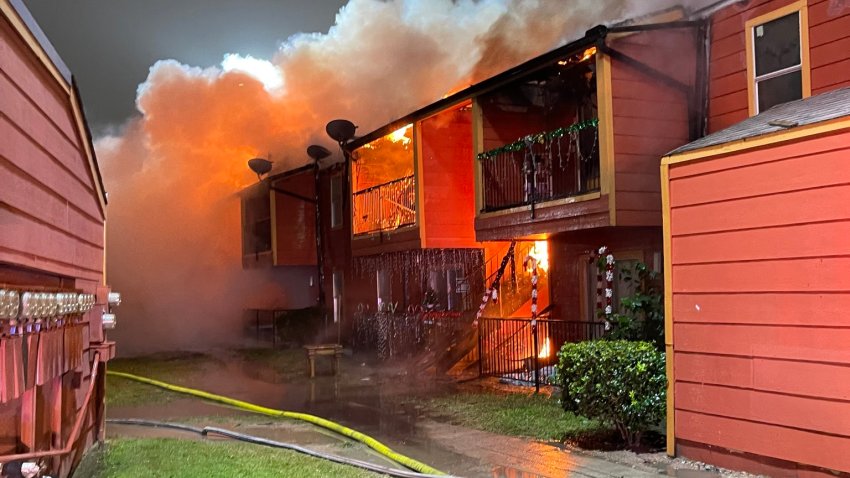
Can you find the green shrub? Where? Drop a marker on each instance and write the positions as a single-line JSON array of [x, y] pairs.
[[618, 382]]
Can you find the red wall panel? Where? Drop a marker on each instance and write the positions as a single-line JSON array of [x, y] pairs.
[[295, 221], [50, 214], [829, 54], [447, 182], [760, 292]]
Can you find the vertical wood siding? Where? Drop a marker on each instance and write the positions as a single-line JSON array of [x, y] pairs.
[[829, 50], [760, 298]]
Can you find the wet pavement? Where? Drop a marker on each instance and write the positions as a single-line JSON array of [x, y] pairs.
[[368, 397]]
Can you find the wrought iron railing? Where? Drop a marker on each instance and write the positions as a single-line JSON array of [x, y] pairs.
[[541, 167], [519, 349], [385, 207]]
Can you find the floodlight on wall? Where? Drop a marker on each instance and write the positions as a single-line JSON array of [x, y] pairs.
[[108, 320], [113, 298], [317, 153], [341, 130], [260, 166], [28, 302], [9, 304]]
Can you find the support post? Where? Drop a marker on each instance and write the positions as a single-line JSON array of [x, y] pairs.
[[480, 349], [535, 359]]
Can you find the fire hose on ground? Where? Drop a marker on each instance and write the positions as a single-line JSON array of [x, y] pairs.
[[319, 421], [206, 431]]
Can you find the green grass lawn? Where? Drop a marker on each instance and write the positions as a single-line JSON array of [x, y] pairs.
[[168, 368], [536, 416], [167, 458]]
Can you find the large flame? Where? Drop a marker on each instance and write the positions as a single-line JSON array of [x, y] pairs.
[[401, 135], [540, 251], [546, 350]]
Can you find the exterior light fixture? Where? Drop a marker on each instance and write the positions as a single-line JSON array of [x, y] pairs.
[[260, 166], [108, 320], [9, 304], [28, 303], [113, 298]]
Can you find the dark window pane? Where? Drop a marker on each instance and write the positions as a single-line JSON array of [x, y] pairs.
[[782, 89], [777, 44]]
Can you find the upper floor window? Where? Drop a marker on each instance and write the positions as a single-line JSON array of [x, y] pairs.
[[778, 57]]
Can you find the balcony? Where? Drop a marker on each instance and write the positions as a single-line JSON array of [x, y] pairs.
[[541, 167], [385, 207]]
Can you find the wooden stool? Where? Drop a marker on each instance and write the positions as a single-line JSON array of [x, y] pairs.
[[328, 350]]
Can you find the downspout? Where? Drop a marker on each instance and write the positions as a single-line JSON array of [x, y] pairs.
[[320, 262], [703, 77]]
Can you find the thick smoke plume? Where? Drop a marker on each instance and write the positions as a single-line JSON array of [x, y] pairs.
[[173, 172]]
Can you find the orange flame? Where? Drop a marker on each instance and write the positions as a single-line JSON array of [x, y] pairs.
[[540, 251], [401, 135], [546, 350]]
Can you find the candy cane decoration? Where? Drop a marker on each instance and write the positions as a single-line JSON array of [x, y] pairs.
[[533, 261], [491, 291], [608, 296]]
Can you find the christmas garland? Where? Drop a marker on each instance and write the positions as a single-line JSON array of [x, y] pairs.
[[522, 143]]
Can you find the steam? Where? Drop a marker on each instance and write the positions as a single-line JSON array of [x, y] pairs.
[[174, 171]]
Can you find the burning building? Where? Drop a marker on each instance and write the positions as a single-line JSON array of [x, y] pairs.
[[549, 160], [53, 295]]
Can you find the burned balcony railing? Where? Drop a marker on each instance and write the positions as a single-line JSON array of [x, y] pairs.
[[542, 167], [385, 207]]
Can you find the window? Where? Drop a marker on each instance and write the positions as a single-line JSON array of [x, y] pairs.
[[777, 51], [336, 201]]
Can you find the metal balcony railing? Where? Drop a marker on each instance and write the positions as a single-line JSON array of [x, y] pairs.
[[541, 167], [385, 207]]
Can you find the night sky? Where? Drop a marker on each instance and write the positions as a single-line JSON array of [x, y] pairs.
[[110, 44]]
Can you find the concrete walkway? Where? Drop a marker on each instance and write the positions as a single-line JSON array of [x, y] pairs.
[[512, 457]]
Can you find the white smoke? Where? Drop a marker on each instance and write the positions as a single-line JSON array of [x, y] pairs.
[[174, 170]]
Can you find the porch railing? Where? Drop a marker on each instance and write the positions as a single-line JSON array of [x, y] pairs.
[[385, 207], [542, 167], [518, 349]]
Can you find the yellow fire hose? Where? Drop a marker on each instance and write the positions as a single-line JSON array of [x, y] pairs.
[[322, 422]]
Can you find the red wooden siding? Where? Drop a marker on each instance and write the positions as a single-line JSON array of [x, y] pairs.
[[650, 118], [760, 293], [51, 236], [295, 221], [829, 54], [447, 180], [49, 209]]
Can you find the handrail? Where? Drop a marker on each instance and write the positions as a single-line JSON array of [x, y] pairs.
[[75, 431], [377, 186]]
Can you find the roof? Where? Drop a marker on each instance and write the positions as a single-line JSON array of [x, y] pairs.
[[590, 38], [784, 117], [39, 35]]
